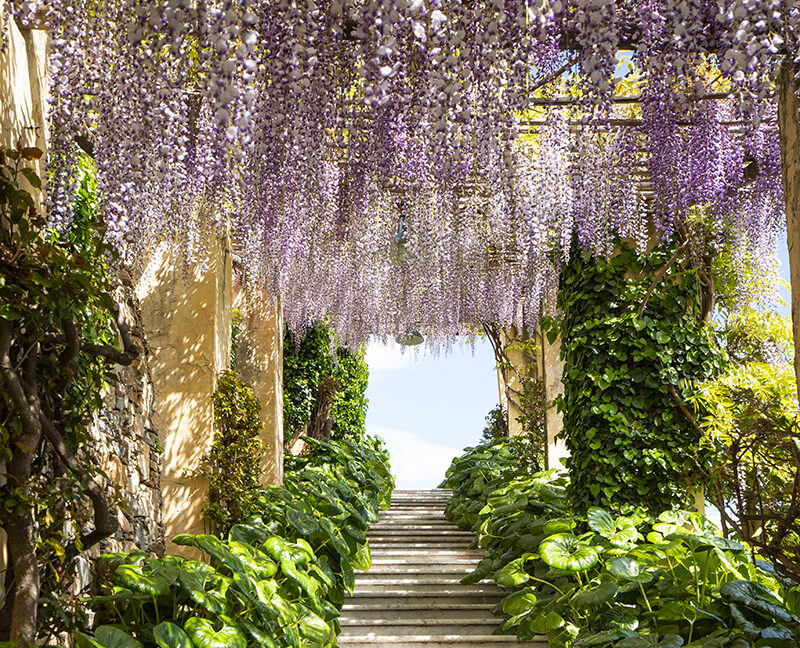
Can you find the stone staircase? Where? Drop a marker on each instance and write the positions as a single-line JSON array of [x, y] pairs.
[[412, 597]]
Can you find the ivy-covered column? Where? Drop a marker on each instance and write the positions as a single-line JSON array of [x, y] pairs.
[[632, 341]]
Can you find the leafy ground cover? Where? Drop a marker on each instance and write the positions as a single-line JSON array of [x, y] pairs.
[[277, 579], [604, 579]]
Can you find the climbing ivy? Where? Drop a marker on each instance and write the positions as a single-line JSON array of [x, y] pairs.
[[311, 375], [349, 409], [233, 462], [632, 343]]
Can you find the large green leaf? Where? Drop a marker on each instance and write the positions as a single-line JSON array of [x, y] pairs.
[[651, 641], [312, 626], [335, 536], [302, 521], [206, 589], [142, 578], [519, 603], [81, 641], [348, 577], [213, 546], [112, 637], [513, 574], [257, 561], [601, 638], [756, 597], [362, 561], [252, 533], [169, 635], [621, 532], [565, 551], [258, 635], [592, 596], [629, 569], [221, 633], [270, 595]]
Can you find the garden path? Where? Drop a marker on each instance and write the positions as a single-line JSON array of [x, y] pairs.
[[412, 596]]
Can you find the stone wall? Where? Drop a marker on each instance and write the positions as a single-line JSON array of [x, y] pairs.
[[127, 446]]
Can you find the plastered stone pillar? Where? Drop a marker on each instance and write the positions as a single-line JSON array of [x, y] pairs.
[[553, 368], [187, 322], [510, 378], [24, 89], [259, 362], [545, 366]]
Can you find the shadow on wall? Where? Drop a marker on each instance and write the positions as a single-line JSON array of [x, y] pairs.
[[23, 88], [187, 320]]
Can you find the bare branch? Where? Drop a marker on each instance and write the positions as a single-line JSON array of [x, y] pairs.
[[109, 353], [19, 396], [105, 524]]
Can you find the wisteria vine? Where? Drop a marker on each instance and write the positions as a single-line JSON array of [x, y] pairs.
[[316, 126]]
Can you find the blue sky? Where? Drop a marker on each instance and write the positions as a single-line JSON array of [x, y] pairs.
[[429, 408]]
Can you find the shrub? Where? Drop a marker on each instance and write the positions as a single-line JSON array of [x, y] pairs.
[[278, 578], [604, 579], [233, 464]]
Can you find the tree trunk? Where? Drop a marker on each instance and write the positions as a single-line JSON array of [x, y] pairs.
[[21, 532], [789, 125]]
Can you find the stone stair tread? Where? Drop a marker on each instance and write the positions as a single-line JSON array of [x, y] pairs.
[[408, 604], [412, 596], [422, 640], [345, 621]]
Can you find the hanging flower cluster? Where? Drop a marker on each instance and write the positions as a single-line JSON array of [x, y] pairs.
[[318, 127]]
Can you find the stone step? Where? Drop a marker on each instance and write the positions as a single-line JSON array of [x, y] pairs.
[[395, 527], [407, 531], [412, 610], [388, 625], [452, 532], [414, 520], [373, 579], [409, 509], [367, 588], [412, 596], [390, 597], [384, 542], [389, 553], [462, 569], [418, 518], [427, 641]]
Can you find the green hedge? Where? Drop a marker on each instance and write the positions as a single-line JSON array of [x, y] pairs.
[[602, 579], [278, 579]]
